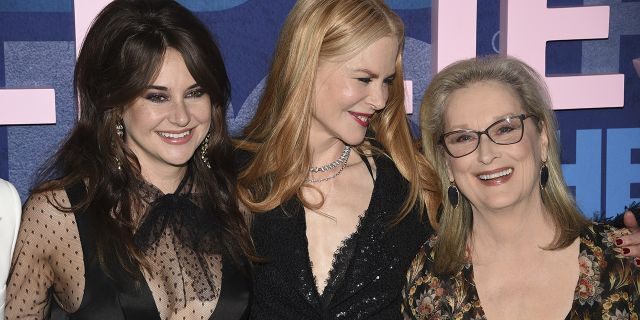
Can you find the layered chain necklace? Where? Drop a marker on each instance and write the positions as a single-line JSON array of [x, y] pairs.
[[340, 162]]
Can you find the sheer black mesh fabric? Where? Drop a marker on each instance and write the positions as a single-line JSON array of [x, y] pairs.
[[184, 276]]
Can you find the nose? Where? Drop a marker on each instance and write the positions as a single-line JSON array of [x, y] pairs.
[[486, 149], [378, 96], [180, 115]]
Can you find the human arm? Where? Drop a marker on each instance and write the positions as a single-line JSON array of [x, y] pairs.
[[47, 255]]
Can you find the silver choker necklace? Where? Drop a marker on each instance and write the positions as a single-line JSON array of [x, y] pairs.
[[343, 158], [344, 164]]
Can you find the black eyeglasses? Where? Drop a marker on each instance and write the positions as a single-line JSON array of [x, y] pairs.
[[460, 143]]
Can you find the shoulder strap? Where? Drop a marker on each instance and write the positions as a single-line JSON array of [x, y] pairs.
[[366, 163], [76, 193]]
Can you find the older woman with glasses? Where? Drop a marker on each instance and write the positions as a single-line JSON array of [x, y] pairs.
[[511, 242]]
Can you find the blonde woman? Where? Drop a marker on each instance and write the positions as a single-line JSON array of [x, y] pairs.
[[330, 168], [511, 242]]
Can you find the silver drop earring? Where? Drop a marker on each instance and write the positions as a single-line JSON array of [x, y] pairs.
[[203, 151], [120, 134]]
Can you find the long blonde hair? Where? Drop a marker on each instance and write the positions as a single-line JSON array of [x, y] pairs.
[[454, 225], [278, 135]]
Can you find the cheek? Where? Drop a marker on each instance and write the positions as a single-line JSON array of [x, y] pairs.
[[353, 93], [203, 113], [139, 116], [457, 168]]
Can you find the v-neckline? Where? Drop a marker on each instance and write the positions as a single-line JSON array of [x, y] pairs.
[[339, 266], [582, 252]]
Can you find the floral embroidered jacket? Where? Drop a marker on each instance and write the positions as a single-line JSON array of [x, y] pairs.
[[608, 284]]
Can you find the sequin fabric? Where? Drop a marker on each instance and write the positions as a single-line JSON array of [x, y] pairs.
[[48, 264], [368, 269]]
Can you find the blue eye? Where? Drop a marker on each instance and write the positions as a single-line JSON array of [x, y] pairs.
[[505, 129], [460, 138], [464, 138], [156, 97]]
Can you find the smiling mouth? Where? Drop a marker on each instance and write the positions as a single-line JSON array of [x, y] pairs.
[[361, 118], [495, 175], [169, 135]]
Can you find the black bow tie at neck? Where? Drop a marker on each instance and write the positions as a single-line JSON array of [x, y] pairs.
[[191, 231], [189, 223]]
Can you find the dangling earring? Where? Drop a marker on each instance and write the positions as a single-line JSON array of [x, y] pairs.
[[203, 151], [120, 129], [453, 194], [120, 134], [544, 175]]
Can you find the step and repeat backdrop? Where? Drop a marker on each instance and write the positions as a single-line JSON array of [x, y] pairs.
[[589, 51]]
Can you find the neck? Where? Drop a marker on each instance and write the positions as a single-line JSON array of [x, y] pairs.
[[166, 179], [325, 151], [520, 228]]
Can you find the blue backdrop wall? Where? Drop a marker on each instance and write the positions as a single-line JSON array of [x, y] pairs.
[[601, 147]]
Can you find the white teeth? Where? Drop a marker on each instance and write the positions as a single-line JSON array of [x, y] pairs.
[[174, 135], [495, 175], [363, 118]]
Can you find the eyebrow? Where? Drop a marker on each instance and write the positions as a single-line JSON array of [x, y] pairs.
[[163, 88], [493, 122], [369, 72], [373, 74]]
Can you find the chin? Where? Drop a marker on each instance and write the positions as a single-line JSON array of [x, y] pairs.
[[353, 139], [178, 161]]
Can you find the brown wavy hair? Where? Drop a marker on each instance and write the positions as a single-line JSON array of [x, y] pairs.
[[120, 57], [278, 135]]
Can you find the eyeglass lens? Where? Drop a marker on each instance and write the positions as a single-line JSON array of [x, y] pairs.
[[506, 131]]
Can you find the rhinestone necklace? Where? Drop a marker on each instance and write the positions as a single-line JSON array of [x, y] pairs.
[[341, 160], [344, 164]]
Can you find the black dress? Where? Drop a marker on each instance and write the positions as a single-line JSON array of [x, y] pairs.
[[54, 236], [368, 270]]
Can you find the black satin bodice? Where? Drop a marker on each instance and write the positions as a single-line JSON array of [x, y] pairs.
[[368, 271]]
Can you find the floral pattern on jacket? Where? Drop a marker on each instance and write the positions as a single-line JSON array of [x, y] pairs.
[[608, 284]]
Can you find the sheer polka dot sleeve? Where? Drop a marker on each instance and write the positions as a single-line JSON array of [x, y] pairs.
[[48, 255]]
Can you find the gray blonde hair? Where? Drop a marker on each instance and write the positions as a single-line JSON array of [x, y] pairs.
[[455, 225]]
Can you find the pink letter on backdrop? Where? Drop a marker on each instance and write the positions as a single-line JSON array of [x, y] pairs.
[[527, 25], [453, 31], [408, 96], [27, 106], [38, 106], [84, 13]]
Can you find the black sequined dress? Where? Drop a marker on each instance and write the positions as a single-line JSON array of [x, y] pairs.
[[368, 270]]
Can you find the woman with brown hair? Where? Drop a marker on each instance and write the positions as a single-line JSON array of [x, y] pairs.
[[136, 217], [330, 168]]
